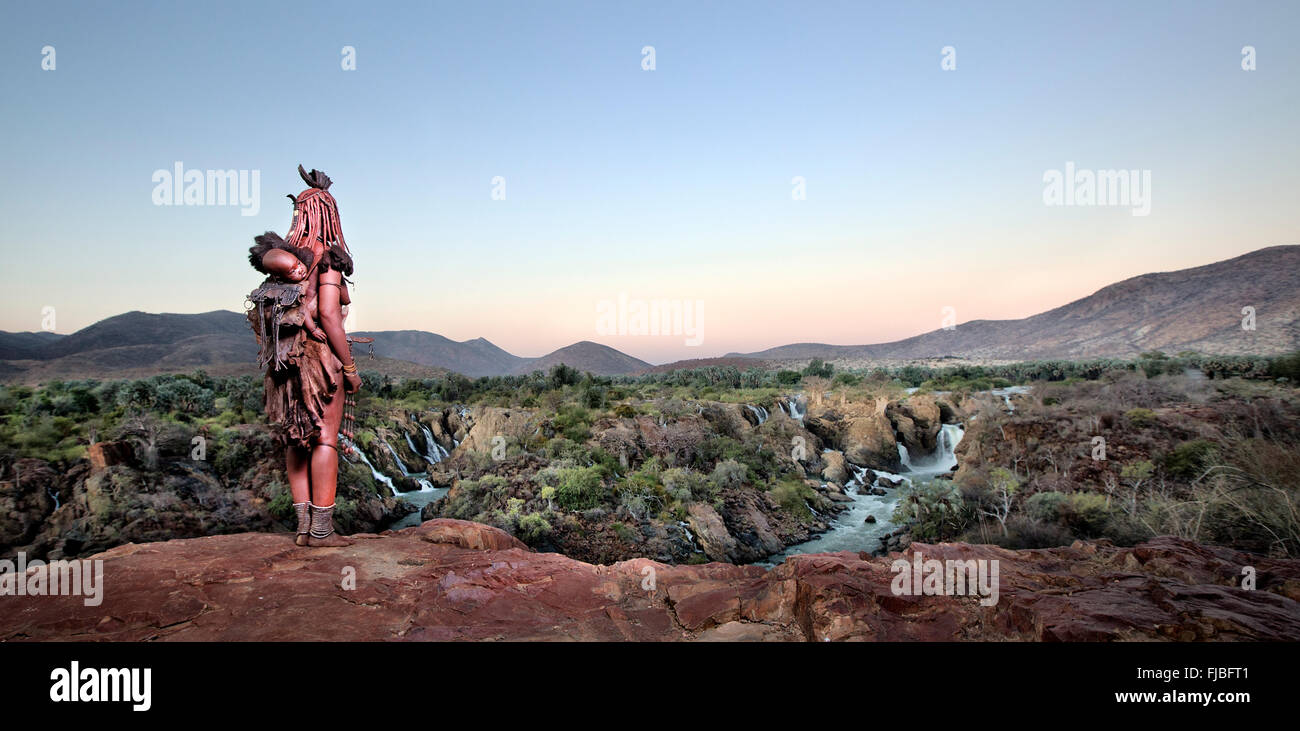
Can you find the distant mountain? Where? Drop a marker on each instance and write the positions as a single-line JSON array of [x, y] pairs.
[[737, 362], [144, 328], [1192, 309], [472, 358], [585, 356], [21, 346], [479, 357], [1196, 309], [138, 344]]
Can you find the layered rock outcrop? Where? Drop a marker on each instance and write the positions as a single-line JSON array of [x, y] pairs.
[[455, 580]]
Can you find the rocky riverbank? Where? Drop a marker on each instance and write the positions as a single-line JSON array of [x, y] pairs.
[[457, 580]]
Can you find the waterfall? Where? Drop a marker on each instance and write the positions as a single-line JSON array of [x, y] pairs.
[[869, 518], [421, 477], [686, 528], [795, 413], [400, 465], [411, 444], [434, 453], [943, 459], [379, 476], [859, 476], [50, 491], [759, 413]]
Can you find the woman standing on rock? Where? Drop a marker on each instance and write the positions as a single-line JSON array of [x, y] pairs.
[[308, 370]]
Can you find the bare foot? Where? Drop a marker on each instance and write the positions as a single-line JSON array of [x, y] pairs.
[[301, 540], [333, 540]]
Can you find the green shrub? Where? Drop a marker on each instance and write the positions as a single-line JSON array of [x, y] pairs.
[[533, 527], [1046, 507], [793, 496], [818, 368], [1189, 459], [281, 506], [934, 511], [728, 474], [684, 484], [625, 532], [1087, 512], [1140, 417], [574, 422], [580, 488], [1030, 533]]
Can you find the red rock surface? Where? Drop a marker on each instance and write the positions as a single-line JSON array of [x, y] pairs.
[[455, 580]]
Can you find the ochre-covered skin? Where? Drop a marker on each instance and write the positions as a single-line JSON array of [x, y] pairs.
[[305, 379]]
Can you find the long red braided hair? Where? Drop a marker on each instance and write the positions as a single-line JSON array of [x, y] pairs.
[[316, 217]]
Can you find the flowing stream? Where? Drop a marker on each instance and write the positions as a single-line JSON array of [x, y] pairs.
[[850, 530], [427, 493], [1007, 393]]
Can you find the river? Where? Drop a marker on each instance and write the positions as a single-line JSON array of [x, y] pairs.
[[849, 529]]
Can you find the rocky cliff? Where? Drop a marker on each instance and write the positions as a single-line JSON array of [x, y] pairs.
[[456, 580]]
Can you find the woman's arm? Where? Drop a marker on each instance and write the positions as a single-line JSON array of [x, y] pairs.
[[330, 308]]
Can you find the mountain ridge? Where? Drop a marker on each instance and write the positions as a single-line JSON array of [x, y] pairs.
[[1199, 308]]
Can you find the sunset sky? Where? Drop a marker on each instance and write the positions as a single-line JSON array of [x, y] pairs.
[[924, 186]]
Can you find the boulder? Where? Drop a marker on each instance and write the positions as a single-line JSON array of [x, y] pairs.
[[917, 420], [492, 421], [869, 440], [467, 534], [710, 532], [835, 470]]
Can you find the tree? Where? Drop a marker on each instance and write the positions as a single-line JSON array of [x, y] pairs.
[[1002, 486], [817, 367], [1135, 475], [816, 387]]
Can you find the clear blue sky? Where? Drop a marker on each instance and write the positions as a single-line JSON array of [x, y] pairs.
[[924, 186]]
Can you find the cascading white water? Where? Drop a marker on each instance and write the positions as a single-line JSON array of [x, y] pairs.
[[794, 412], [435, 452], [418, 498], [686, 528], [379, 476], [850, 530], [943, 459], [422, 478], [759, 413], [393, 452]]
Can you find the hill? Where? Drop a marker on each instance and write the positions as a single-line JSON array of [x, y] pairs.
[[1196, 309]]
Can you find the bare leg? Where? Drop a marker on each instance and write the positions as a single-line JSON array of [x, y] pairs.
[[324, 477], [298, 467]]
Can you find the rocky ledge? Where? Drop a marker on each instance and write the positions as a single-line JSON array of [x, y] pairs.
[[455, 580]]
